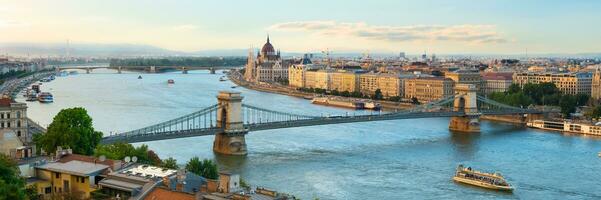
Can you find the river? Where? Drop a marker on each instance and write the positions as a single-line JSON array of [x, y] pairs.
[[399, 159]]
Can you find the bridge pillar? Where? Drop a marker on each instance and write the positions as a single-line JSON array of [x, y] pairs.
[[88, 70], [119, 69], [184, 70], [229, 117], [212, 70], [466, 100], [152, 69]]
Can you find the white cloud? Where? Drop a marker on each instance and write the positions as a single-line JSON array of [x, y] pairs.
[[459, 33], [11, 24], [184, 27]]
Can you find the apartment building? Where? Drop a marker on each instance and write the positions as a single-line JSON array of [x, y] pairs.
[[567, 83], [427, 89]]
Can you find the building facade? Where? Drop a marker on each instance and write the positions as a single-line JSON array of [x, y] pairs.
[[390, 85], [317, 79], [344, 81], [427, 89], [267, 66], [297, 73], [596, 85], [466, 77], [13, 117], [497, 81], [567, 83]]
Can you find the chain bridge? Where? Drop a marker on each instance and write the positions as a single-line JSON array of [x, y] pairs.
[[230, 120]]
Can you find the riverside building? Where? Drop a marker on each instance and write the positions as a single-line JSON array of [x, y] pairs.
[[596, 85], [267, 66], [390, 85], [427, 89], [567, 83], [497, 81]]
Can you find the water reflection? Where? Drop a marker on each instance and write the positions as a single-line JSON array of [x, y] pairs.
[[464, 144]]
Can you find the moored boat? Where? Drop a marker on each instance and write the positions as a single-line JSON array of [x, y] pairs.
[[338, 102], [45, 97], [493, 181], [222, 78], [373, 105], [170, 81]]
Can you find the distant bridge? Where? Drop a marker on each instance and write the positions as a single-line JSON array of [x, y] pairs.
[[150, 69], [229, 120]]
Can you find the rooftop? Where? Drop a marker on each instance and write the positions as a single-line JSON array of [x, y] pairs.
[[149, 171], [75, 167]]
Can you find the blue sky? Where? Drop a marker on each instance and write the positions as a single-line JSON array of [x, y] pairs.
[[506, 27]]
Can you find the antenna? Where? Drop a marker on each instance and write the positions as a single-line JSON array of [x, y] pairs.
[[127, 159], [134, 159], [102, 158]]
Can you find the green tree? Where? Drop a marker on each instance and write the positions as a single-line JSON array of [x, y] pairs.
[[71, 128], [568, 104], [32, 192], [118, 151], [582, 99], [514, 88], [170, 163], [205, 168], [12, 186], [415, 101], [596, 113], [378, 94]]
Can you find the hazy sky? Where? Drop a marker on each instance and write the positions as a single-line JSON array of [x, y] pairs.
[[504, 26]]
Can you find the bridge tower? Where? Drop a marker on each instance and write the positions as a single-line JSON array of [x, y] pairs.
[[229, 117], [152, 69], [466, 100], [119, 69], [212, 70], [88, 70], [184, 70]]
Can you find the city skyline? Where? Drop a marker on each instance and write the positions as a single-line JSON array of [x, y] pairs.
[[499, 27]]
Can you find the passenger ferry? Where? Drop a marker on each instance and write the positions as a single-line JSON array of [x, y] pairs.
[[372, 105], [338, 102], [45, 97], [493, 181], [566, 126], [170, 81]]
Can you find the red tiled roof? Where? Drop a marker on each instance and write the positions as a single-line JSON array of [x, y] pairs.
[[497, 76], [5, 101], [160, 193]]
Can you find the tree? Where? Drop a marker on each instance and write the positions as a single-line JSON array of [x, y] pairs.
[[415, 101], [567, 103], [582, 99], [71, 128], [205, 168], [118, 151], [32, 192], [12, 186], [514, 88], [378, 94], [596, 112], [170, 163]]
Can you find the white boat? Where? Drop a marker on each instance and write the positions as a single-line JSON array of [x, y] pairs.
[[493, 181], [45, 97], [170, 81], [372, 105]]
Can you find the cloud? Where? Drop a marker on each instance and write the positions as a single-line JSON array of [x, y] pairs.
[[459, 33], [11, 24], [184, 27]]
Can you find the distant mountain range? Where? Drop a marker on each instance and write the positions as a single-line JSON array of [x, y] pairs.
[[137, 50]]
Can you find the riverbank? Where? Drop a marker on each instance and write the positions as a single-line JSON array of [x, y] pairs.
[[237, 79], [13, 86]]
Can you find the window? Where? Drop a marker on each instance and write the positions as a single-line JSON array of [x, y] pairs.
[[83, 179], [47, 190], [1, 115], [18, 114], [8, 115], [18, 123], [8, 124], [19, 133], [57, 175]]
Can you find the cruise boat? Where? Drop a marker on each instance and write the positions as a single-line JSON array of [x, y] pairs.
[[338, 102], [566, 126], [45, 97], [31, 95], [493, 181], [170, 81], [372, 105]]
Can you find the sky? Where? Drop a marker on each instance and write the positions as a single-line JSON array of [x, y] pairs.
[[443, 27]]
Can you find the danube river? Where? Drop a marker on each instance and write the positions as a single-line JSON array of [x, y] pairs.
[[401, 159]]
